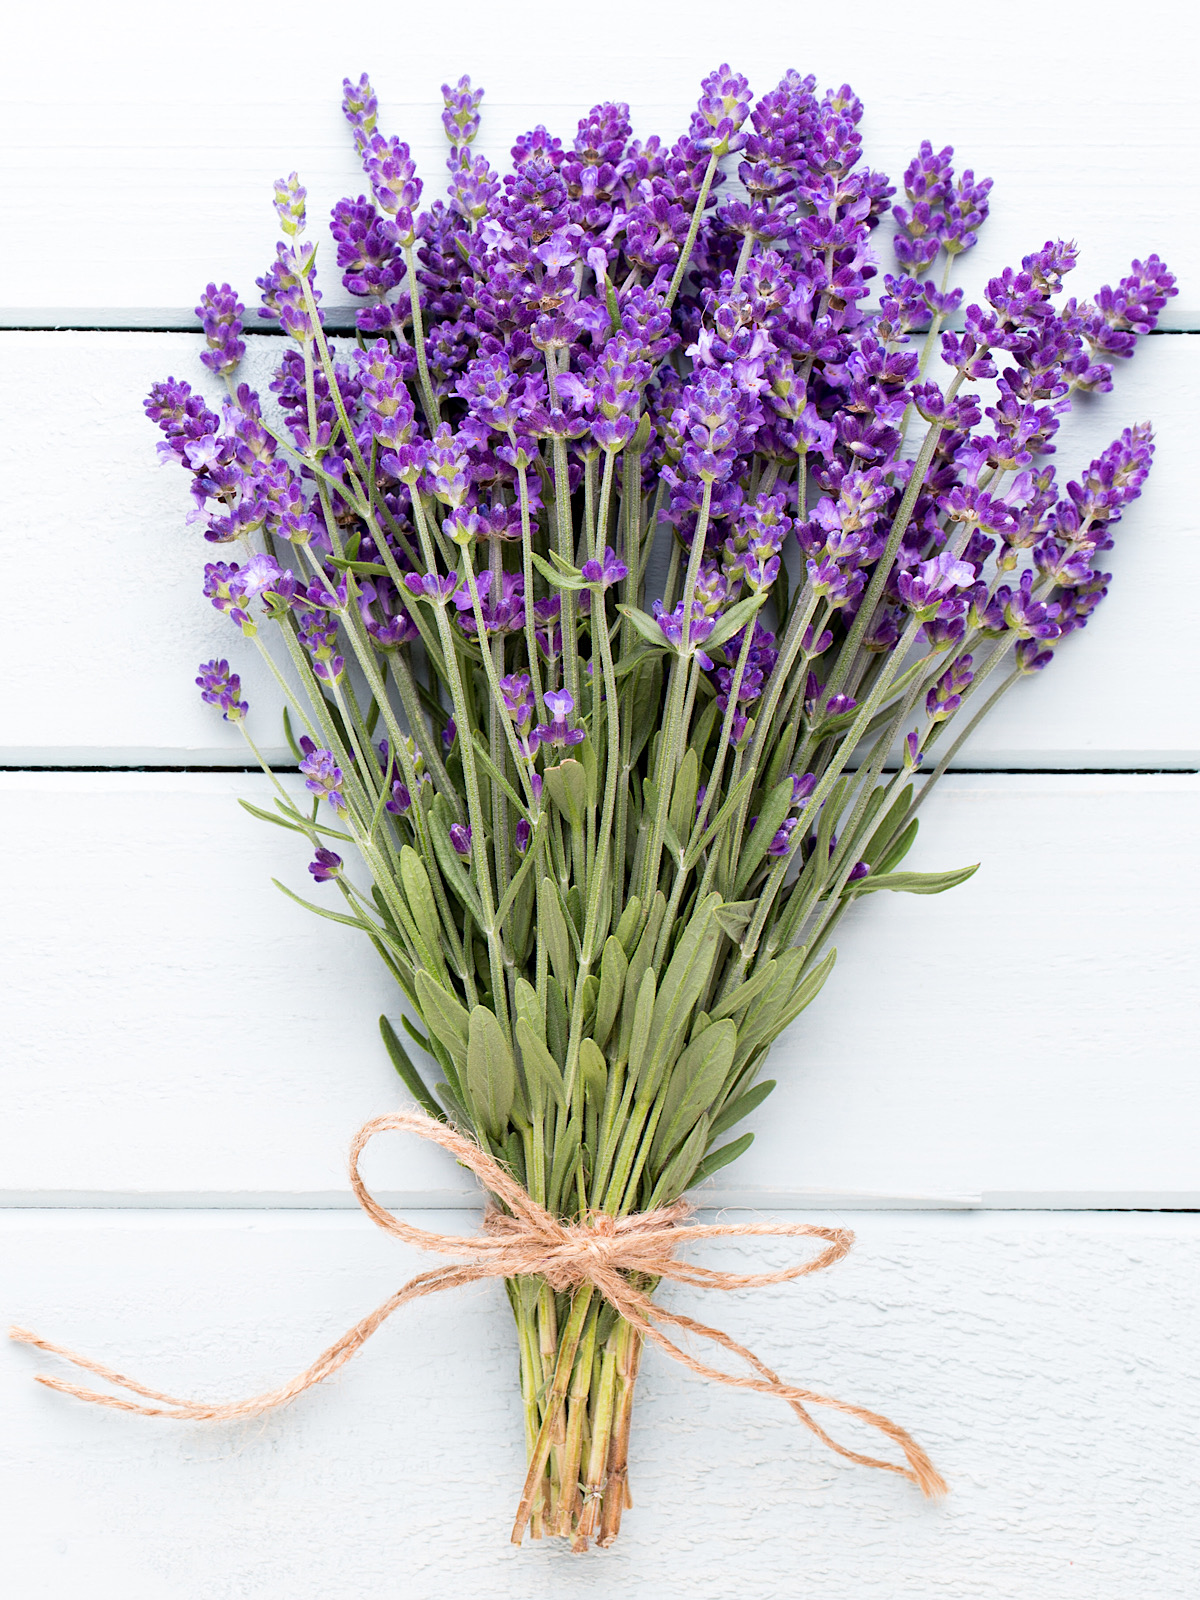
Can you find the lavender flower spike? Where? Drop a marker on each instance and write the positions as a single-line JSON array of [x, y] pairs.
[[322, 775], [220, 687]]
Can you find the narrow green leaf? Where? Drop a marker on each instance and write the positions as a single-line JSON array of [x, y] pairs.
[[571, 578], [643, 1015], [491, 1072], [696, 1081], [721, 1158], [280, 822], [913, 882], [734, 917], [739, 998], [735, 619], [679, 1171], [614, 964], [291, 737], [593, 1070], [567, 785], [873, 850], [757, 842], [418, 892], [529, 1008], [741, 1107], [893, 858], [682, 812], [627, 926], [444, 1016], [412, 1079], [552, 925], [542, 1072], [646, 626]]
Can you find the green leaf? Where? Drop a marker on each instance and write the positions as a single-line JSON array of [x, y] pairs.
[[444, 1016], [454, 869], [721, 1158], [740, 997], [332, 916], [754, 846], [552, 925], [558, 1025], [696, 1082], [679, 1170], [542, 1072], [628, 925], [646, 626], [639, 964], [280, 822], [402, 1062], [570, 578], [529, 1008], [643, 1015], [735, 619], [741, 1107], [593, 1070], [913, 882], [682, 812], [484, 757], [567, 785], [418, 892], [638, 443], [614, 964], [697, 849], [873, 850], [363, 569], [643, 701], [896, 854], [415, 1034], [491, 1072], [734, 917], [684, 981], [291, 738]]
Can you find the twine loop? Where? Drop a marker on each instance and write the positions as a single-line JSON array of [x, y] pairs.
[[602, 1251]]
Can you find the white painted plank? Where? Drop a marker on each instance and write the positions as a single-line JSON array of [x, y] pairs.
[[176, 1029], [1047, 1363], [162, 151], [83, 481]]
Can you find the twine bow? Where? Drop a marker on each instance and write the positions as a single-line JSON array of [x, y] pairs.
[[599, 1252]]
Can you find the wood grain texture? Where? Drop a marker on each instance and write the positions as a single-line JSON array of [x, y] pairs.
[[85, 482], [160, 146], [175, 1028], [1047, 1362]]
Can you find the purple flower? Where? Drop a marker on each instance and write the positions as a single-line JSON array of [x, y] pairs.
[[605, 574], [925, 591], [322, 775], [1028, 618], [326, 867], [401, 799], [944, 699], [724, 104], [556, 732], [220, 687], [460, 118], [460, 837], [524, 832], [220, 312], [912, 751], [431, 585]]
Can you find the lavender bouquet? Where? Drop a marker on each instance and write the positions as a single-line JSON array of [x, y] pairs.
[[602, 843]]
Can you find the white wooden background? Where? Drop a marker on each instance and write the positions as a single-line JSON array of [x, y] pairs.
[[998, 1088]]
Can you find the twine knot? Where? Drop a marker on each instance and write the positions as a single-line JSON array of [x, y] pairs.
[[604, 1252]]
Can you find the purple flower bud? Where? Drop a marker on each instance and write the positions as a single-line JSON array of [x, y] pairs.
[[220, 687], [912, 751], [401, 799], [460, 837], [326, 867], [322, 776], [220, 311], [859, 870], [523, 833]]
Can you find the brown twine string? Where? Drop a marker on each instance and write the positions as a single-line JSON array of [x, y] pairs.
[[531, 1242]]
